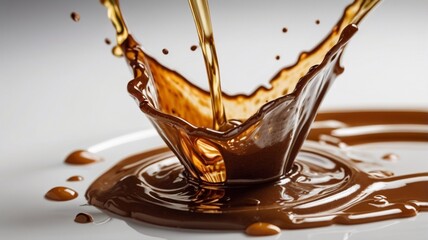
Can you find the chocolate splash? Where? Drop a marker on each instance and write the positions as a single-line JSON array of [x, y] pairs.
[[272, 123], [253, 174], [324, 187]]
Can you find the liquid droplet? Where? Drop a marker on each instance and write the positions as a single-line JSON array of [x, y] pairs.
[[83, 218], [61, 194], [117, 51], [82, 157], [390, 157], [262, 229], [75, 179], [75, 16]]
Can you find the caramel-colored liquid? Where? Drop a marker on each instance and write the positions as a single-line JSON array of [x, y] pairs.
[[82, 157], [262, 229], [83, 218], [271, 122], [201, 16], [75, 16], [328, 183], [61, 194], [75, 178], [253, 174]]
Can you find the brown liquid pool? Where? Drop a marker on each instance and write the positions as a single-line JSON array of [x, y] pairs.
[[326, 185]]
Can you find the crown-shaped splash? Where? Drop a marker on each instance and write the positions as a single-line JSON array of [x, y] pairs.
[[270, 124]]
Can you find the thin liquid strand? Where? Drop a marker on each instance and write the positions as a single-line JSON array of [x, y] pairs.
[[201, 16]]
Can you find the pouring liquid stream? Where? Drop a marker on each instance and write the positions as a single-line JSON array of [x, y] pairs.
[[201, 15]]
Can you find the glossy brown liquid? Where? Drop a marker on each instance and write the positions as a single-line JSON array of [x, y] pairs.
[[83, 218], [75, 178], [61, 194], [75, 16], [270, 122], [253, 174], [82, 157], [327, 185], [262, 229], [201, 16]]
